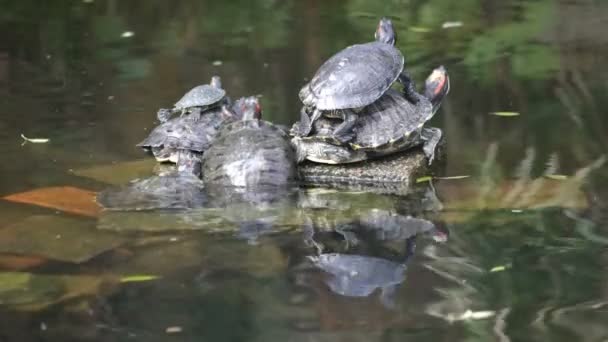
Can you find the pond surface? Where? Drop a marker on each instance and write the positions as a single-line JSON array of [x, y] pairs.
[[516, 251]]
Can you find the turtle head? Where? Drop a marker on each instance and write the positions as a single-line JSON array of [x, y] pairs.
[[437, 86], [247, 108], [216, 82], [385, 32]]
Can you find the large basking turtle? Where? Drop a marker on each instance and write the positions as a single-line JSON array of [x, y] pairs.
[[197, 100], [354, 78], [250, 152], [389, 125]]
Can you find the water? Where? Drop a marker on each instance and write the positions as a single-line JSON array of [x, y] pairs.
[[524, 256]]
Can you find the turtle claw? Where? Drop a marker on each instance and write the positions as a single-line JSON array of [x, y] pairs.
[[431, 137]]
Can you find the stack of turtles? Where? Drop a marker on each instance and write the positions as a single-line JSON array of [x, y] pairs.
[[352, 114]]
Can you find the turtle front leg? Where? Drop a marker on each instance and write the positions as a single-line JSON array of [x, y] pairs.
[[306, 121], [409, 87], [430, 137], [164, 114], [195, 114], [343, 133]]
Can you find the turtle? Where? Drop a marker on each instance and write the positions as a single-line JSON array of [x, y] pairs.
[[389, 125], [197, 100], [189, 133], [352, 79], [250, 152], [354, 275]]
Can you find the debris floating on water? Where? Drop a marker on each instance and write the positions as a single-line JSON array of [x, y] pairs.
[[127, 34], [453, 177], [557, 177], [34, 140], [138, 278], [505, 113], [451, 24], [499, 268], [419, 29], [173, 330], [217, 63]]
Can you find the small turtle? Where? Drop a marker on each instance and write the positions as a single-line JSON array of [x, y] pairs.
[[389, 125], [250, 152], [197, 100], [360, 276], [352, 79]]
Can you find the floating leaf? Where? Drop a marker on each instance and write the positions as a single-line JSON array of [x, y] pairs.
[[505, 113], [557, 177], [119, 173], [54, 237], [138, 278], [65, 198], [424, 179], [453, 177], [35, 140], [27, 291]]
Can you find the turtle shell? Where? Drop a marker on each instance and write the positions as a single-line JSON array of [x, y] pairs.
[[390, 123], [199, 96], [187, 132], [354, 77], [250, 153]]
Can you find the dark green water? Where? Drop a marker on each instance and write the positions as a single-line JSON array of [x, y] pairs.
[[526, 255]]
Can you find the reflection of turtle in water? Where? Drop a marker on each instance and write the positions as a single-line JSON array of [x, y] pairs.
[[171, 190], [197, 100], [359, 275], [352, 79], [250, 152], [389, 125]]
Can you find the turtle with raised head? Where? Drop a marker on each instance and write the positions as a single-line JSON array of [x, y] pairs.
[[389, 125], [250, 152], [197, 100], [352, 79]]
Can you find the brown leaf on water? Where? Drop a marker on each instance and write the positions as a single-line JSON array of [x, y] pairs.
[[65, 198], [59, 238], [119, 173], [20, 262]]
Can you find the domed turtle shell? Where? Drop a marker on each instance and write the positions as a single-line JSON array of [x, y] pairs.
[[199, 96], [354, 77], [390, 120], [250, 153], [191, 132]]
